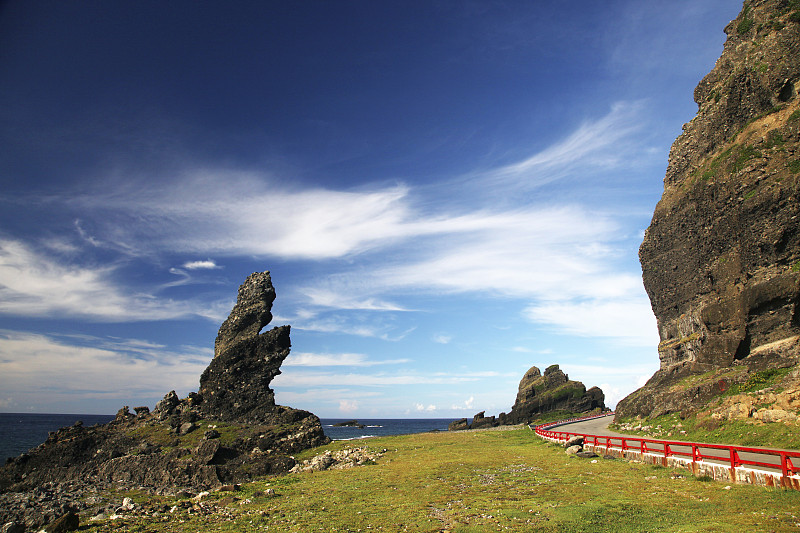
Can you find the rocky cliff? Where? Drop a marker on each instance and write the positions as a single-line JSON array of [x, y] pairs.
[[230, 431], [552, 391], [721, 258], [539, 394]]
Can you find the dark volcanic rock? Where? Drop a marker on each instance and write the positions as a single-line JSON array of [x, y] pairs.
[[349, 424], [235, 386], [553, 391], [162, 451], [539, 394], [458, 425], [481, 421], [721, 258]]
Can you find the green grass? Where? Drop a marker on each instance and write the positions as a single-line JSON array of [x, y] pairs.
[[746, 23], [758, 380], [482, 481]]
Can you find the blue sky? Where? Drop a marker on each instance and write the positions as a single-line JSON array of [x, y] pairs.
[[446, 193]]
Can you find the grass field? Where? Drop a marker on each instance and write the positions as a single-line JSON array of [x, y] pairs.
[[477, 481]]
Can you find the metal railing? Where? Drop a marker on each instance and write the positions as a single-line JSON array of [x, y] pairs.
[[744, 464]]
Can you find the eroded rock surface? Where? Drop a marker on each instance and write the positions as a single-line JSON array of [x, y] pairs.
[[539, 394], [235, 386], [721, 258], [552, 391], [230, 431]]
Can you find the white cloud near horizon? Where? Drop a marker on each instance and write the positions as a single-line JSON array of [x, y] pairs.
[[341, 359], [320, 379], [99, 368]]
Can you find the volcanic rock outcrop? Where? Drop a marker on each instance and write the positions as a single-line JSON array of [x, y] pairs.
[[230, 431], [539, 394], [235, 386], [721, 258], [552, 391]]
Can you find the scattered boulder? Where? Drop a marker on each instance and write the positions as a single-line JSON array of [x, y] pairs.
[[345, 458], [186, 428], [574, 441], [573, 450]]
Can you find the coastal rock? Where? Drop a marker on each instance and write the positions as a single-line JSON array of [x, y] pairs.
[[538, 394], [552, 391], [167, 405], [458, 425], [721, 258], [480, 421], [235, 386], [349, 424], [159, 451]]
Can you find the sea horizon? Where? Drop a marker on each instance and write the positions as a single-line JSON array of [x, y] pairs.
[[20, 432]]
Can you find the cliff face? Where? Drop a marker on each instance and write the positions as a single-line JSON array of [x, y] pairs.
[[721, 258]]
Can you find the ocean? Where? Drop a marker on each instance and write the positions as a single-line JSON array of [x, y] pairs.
[[377, 427], [19, 432]]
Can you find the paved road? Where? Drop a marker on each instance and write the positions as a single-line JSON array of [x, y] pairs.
[[599, 426]]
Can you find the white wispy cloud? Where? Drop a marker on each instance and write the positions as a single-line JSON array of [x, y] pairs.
[[207, 264], [442, 339], [596, 143], [468, 405], [551, 255], [340, 359], [348, 406], [628, 319], [33, 283], [97, 367]]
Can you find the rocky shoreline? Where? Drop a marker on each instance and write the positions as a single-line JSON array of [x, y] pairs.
[[230, 431]]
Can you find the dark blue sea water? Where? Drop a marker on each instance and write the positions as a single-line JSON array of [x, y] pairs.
[[376, 427], [19, 432]]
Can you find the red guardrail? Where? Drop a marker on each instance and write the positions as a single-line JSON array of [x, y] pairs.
[[731, 456]]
